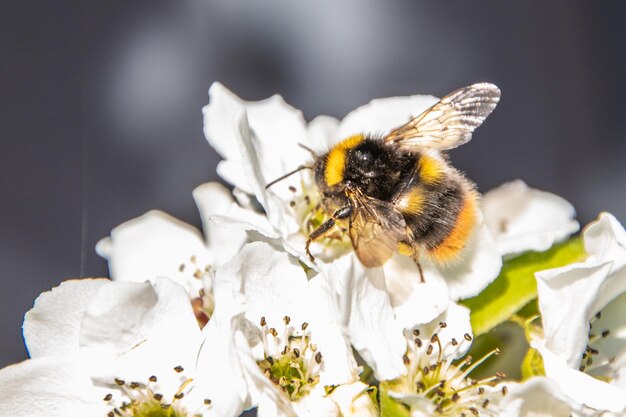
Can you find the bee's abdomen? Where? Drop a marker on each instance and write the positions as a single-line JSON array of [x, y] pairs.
[[441, 216]]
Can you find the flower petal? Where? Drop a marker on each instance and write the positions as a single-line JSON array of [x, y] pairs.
[[149, 328], [584, 388], [156, 244], [381, 115], [414, 302], [566, 324], [537, 396], [223, 242], [354, 400], [49, 386], [323, 133], [522, 218], [367, 315], [52, 326], [479, 266]]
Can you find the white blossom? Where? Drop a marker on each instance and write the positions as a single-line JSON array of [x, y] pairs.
[[584, 328]]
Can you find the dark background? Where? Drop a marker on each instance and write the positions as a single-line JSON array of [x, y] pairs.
[[101, 105]]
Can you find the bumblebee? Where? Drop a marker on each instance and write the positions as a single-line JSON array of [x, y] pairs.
[[397, 192]]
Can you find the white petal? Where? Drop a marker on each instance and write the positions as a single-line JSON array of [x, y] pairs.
[[457, 326], [414, 302], [479, 265], [580, 386], [354, 400], [150, 327], [605, 239], [156, 244], [522, 218], [368, 316], [50, 386], [610, 360], [224, 242], [381, 115], [52, 326], [566, 297], [245, 219], [419, 405], [316, 406], [323, 132], [219, 375], [537, 397]]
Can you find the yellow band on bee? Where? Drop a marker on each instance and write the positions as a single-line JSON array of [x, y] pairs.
[[431, 169], [457, 239], [336, 161]]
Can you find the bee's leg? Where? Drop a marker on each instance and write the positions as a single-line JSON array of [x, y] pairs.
[[325, 228], [407, 249], [416, 259]]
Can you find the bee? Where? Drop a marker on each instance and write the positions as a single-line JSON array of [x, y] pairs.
[[397, 192]]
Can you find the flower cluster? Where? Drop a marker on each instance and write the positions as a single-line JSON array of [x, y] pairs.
[[240, 317]]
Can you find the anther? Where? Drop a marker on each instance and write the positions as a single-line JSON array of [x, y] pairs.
[[474, 411], [108, 397], [481, 390], [287, 320], [426, 370], [305, 325], [134, 385], [179, 395], [418, 343], [485, 403], [599, 315], [605, 333], [505, 390], [443, 324], [110, 414], [429, 350], [119, 381], [263, 322], [181, 268], [296, 353], [434, 338], [292, 188], [416, 332], [292, 203], [193, 259], [158, 396], [307, 200], [406, 359], [270, 360], [454, 342], [207, 401], [179, 369], [273, 331], [455, 397], [153, 378], [467, 337], [318, 357]]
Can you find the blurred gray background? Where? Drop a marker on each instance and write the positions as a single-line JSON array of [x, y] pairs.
[[101, 105]]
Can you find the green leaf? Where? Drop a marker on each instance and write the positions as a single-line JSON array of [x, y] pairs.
[[515, 287], [532, 365], [390, 407]]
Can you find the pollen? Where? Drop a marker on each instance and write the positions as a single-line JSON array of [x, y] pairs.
[[290, 360], [145, 399], [444, 381]]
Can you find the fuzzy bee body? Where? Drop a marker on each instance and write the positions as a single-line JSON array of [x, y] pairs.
[[436, 202], [397, 192]]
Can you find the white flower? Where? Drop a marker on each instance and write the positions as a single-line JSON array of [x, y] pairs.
[[437, 380], [522, 218], [584, 328], [157, 244], [538, 397], [259, 142], [137, 344], [290, 341]]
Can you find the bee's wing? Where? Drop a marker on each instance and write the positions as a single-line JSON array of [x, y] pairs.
[[375, 229], [451, 121]]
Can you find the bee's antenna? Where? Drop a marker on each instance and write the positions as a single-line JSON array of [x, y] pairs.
[[308, 149], [300, 168]]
